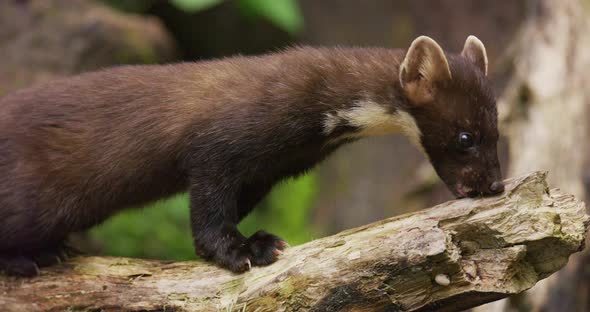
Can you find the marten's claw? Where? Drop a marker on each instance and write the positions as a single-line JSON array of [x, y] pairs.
[[53, 255], [281, 244]]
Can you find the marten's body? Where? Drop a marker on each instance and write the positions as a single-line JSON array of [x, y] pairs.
[[77, 150]]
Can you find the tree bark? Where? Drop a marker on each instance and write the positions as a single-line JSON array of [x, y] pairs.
[[456, 255]]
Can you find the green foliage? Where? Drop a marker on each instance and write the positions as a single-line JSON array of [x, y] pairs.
[[285, 14], [162, 230], [195, 5]]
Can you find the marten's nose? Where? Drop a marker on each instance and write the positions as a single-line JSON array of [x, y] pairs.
[[496, 187]]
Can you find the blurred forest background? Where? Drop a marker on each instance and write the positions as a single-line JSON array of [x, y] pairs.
[[539, 52]]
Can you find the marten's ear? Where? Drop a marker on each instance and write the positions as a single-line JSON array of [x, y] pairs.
[[424, 65], [475, 52]]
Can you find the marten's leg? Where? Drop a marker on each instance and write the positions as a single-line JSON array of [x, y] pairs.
[[214, 218], [250, 195]]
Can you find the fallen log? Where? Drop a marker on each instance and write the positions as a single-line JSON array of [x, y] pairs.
[[454, 256]]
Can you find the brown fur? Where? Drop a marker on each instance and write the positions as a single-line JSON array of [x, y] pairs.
[[77, 150]]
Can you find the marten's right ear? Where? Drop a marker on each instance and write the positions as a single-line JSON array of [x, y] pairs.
[[424, 65], [475, 52]]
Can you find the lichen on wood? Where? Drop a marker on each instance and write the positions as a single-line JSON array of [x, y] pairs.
[[456, 255]]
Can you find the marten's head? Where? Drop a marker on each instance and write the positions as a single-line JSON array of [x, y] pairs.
[[454, 108]]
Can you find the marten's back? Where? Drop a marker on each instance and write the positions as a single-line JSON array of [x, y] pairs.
[[99, 142]]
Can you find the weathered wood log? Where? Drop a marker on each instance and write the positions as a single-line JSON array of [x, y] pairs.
[[456, 255]]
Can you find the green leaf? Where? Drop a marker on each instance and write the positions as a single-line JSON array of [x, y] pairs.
[[285, 14], [195, 5]]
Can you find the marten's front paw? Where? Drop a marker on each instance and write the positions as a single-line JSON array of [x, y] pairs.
[[259, 249], [265, 248]]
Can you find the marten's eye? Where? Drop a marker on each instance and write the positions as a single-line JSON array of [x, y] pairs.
[[466, 140]]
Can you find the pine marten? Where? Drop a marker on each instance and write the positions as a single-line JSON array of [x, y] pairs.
[[75, 151]]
